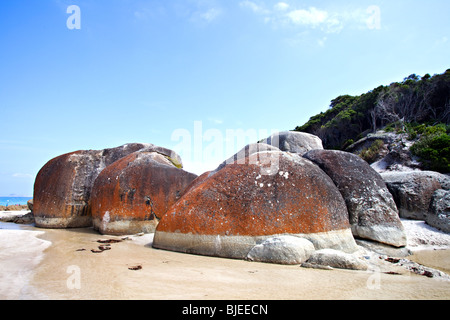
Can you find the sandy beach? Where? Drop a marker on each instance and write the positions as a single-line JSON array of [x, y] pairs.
[[60, 264]]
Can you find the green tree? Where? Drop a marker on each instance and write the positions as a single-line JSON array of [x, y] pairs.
[[433, 149]]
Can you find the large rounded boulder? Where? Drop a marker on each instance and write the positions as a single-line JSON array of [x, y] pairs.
[[438, 215], [413, 191], [240, 206], [132, 194], [242, 156], [282, 250], [62, 188], [294, 142], [372, 210]]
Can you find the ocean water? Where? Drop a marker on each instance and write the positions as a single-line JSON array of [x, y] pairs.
[[10, 226], [14, 200]]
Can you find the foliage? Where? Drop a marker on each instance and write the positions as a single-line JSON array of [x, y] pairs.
[[348, 143], [370, 154], [175, 162], [433, 148], [415, 100]]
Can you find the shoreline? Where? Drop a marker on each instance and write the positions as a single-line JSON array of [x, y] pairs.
[[64, 267], [433, 258], [17, 270]]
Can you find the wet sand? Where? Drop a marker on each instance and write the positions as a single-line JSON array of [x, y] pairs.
[[437, 259], [66, 273], [21, 251]]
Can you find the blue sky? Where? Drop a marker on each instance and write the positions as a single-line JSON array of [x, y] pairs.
[[192, 75]]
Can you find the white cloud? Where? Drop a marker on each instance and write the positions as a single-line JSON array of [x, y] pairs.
[[285, 15], [312, 16], [215, 120], [201, 11], [333, 25], [145, 11], [254, 7], [281, 6], [442, 40], [321, 42], [195, 11], [211, 14]]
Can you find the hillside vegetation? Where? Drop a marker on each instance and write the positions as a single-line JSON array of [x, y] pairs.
[[418, 106]]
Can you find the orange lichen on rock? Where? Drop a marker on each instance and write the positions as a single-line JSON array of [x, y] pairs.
[[63, 186], [132, 194], [58, 202], [246, 200]]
